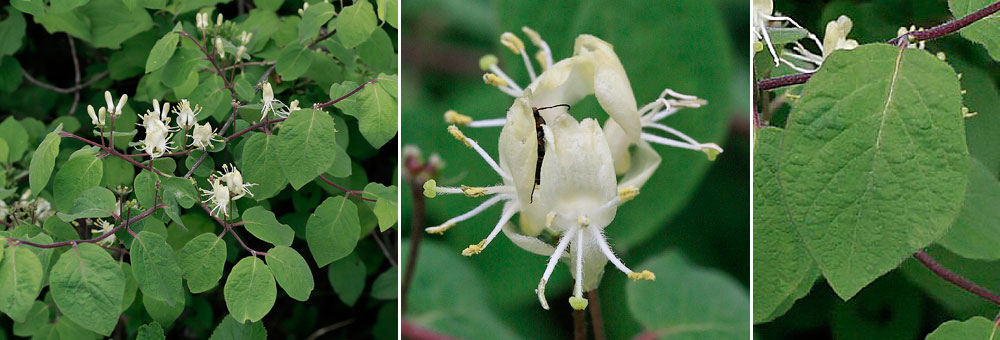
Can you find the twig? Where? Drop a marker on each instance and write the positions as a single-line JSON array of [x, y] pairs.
[[320, 332], [411, 331], [579, 325], [76, 74], [6, 224], [954, 278], [381, 245], [254, 127], [596, 318], [416, 235], [320, 106], [111, 151], [321, 38], [76, 88], [355, 193], [922, 35], [129, 221], [229, 229]]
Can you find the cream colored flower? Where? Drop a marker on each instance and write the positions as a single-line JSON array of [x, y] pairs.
[[115, 110], [268, 101], [97, 118], [156, 143], [218, 197], [234, 181], [835, 39], [102, 227], [761, 20], [203, 135], [186, 117]]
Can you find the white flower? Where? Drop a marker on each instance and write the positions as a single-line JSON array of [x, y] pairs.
[[202, 136], [218, 20], [186, 117], [219, 47], [578, 192], [834, 39], [98, 118], [759, 22], [293, 106], [218, 197], [245, 37], [234, 181], [156, 143], [103, 227], [115, 110], [201, 21], [4, 210], [269, 102]]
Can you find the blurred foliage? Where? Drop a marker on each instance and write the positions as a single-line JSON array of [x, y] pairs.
[[691, 208], [909, 302]]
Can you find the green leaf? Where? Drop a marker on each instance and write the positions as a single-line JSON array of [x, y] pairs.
[[131, 286], [293, 61], [150, 331], [270, 5], [33, 7], [356, 23], [720, 311], [974, 233], [230, 329], [214, 99], [783, 35], [347, 276], [177, 190], [37, 320], [384, 287], [161, 52], [332, 230], [155, 268], [17, 139], [985, 32], [260, 164], [974, 328], [117, 172], [162, 311], [11, 31], [60, 6], [386, 205], [852, 147], [43, 161], [376, 111], [378, 52], [291, 271], [388, 11], [21, 278], [250, 290], [145, 187], [784, 272], [313, 19], [10, 77], [261, 223], [202, 260], [85, 285], [74, 177], [91, 203], [307, 145]]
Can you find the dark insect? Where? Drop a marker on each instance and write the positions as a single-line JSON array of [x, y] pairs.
[[539, 121]]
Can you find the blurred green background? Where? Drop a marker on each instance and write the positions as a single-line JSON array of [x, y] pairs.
[[691, 208], [909, 302]]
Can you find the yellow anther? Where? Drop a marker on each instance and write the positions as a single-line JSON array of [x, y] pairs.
[[535, 38], [578, 303], [473, 191], [454, 131], [626, 194], [492, 79], [644, 275], [512, 42], [474, 249], [488, 61], [453, 117], [430, 188], [440, 229]]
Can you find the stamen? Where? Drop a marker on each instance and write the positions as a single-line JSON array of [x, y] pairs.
[[516, 90], [475, 211], [577, 301], [673, 131], [508, 212], [488, 123], [644, 275], [474, 249], [552, 266], [492, 79], [544, 56], [475, 146], [627, 193], [603, 244], [455, 118]]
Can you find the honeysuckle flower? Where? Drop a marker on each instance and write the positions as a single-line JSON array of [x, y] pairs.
[[218, 197], [834, 39], [234, 182], [102, 227], [578, 192], [115, 110], [202, 136], [157, 119], [98, 118], [245, 37], [4, 210], [763, 11], [201, 21], [269, 102], [305, 6], [293, 106], [218, 45], [156, 143], [218, 20], [186, 117]]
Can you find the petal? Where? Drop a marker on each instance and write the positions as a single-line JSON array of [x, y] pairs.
[[644, 161], [531, 244], [611, 84]]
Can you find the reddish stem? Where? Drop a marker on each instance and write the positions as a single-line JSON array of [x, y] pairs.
[[111, 151], [132, 220]]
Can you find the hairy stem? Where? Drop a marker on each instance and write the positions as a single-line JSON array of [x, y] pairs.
[[111, 151], [579, 325], [954, 278]]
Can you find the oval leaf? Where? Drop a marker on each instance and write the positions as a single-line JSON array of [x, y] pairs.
[[21, 278], [250, 290], [291, 271], [43, 161], [86, 285], [332, 230], [155, 268], [307, 145], [202, 260]]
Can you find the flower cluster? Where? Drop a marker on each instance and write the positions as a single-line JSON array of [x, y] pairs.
[[227, 186], [576, 163], [26, 208], [835, 38], [273, 105]]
